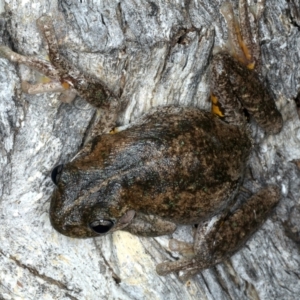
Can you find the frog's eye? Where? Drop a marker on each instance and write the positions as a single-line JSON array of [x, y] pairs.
[[55, 174], [101, 226]]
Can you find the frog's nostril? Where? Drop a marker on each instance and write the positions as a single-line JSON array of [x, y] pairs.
[[101, 226], [55, 174]]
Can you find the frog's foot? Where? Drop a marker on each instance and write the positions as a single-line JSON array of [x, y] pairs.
[[53, 83], [185, 249], [189, 266], [32, 89], [223, 236], [42, 66]]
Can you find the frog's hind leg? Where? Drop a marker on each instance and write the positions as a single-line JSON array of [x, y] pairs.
[[222, 237]]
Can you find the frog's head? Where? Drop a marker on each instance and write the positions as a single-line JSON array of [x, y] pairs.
[[85, 204]]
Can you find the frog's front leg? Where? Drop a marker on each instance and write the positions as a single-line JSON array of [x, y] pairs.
[[215, 242], [93, 91], [150, 225], [235, 82], [235, 89], [65, 77]]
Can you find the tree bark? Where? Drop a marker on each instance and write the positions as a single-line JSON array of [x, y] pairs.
[[151, 53]]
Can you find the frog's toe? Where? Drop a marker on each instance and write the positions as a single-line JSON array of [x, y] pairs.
[[185, 249], [187, 274], [187, 265], [166, 268], [186, 268]]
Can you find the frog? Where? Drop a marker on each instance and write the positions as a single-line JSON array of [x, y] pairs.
[[174, 165]]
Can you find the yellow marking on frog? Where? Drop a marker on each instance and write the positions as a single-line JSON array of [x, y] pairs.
[[245, 49], [213, 99], [42, 79], [215, 107], [65, 85], [113, 130], [45, 79], [251, 66]]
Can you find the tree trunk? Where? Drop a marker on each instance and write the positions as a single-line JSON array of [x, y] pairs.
[[151, 53]]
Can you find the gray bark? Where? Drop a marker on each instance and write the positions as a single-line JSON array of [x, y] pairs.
[[135, 47]]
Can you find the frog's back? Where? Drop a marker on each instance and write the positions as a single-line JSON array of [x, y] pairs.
[[182, 164]]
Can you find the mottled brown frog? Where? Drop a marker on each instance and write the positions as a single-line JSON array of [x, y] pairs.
[[173, 166]]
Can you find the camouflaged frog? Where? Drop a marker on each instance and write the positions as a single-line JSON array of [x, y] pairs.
[[173, 166]]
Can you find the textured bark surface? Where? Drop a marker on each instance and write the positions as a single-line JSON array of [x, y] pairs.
[[139, 49]]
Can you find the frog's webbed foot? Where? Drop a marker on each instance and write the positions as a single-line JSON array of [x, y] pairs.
[[42, 66], [223, 236], [185, 249]]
